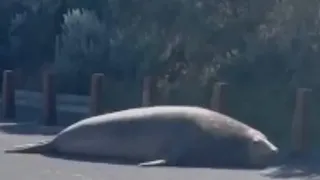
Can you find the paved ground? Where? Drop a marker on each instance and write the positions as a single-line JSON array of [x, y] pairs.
[[38, 167]]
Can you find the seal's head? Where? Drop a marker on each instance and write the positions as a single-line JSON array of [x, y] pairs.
[[261, 150]]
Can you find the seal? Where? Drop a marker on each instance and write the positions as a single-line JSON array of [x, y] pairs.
[[162, 135]]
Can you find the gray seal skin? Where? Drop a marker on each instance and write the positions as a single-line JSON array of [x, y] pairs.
[[162, 135]]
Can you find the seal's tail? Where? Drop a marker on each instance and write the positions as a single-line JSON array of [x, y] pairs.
[[39, 147]]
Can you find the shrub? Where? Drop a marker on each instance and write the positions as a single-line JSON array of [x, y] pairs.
[[82, 47]]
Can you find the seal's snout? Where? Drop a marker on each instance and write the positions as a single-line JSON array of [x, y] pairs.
[[274, 149]]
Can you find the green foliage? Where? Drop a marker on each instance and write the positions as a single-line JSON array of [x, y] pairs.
[[32, 32], [82, 47]]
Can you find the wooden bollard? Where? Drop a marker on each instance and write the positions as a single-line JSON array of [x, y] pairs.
[[300, 120], [49, 96], [96, 97], [146, 91], [8, 95], [218, 98]]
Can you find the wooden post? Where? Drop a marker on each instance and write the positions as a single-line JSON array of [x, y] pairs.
[[146, 98], [49, 95], [218, 99], [8, 95], [96, 98], [300, 120]]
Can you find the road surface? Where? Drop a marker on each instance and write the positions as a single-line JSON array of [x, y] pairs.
[[38, 167]]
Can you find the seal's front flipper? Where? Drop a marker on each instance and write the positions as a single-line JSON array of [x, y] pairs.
[[158, 162]]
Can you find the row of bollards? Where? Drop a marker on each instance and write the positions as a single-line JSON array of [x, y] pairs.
[[217, 102], [49, 96]]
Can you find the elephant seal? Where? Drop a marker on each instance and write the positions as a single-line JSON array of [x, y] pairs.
[[162, 135]]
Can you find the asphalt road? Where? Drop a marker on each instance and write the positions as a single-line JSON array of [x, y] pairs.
[[39, 167]]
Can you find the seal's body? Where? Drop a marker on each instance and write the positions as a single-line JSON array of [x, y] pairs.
[[162, 135]]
